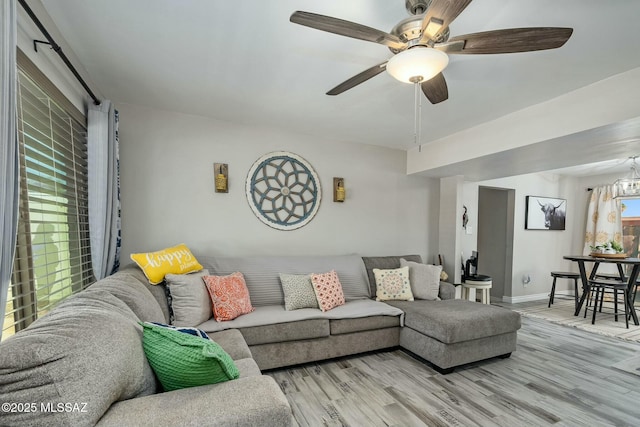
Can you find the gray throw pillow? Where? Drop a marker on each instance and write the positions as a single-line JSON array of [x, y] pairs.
[[424, 279], [298, 291], [190, 301]]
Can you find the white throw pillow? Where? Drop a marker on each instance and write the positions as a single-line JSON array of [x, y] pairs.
[[190, 301], [424, 278], [393, 284]]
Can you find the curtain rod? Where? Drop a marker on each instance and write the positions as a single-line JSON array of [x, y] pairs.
[[56, 48]]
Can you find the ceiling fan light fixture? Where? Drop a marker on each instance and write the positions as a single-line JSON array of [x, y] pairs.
[[417, 64]]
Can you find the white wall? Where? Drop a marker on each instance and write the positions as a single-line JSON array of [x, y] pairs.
[[539, 252], [469, 241], [450, 241], [48, 61], [535, 252], [168, 192]]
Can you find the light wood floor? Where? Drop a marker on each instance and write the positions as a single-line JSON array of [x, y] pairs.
[[558, 376]]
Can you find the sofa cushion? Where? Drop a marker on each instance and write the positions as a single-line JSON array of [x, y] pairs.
[[262, 274], [298, 291], [232, 342], [278, 355], [125, 286], [447, 291], [424, 278], [289, 331], [393, 284], [274, 314], [75, 354], [383, 262], [248, 368], [245, 402], [453, 321], [182, 360], [328, 290], [158, 291], [347, 326], [190, 300], [229, 295]]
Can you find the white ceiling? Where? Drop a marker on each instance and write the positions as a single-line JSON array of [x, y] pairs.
[[243, 61], [618, 166]]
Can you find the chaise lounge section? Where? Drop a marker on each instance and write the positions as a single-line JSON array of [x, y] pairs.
[[449, 332], [457, 332]]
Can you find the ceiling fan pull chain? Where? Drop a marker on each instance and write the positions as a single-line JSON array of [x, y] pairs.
[[417, 118]]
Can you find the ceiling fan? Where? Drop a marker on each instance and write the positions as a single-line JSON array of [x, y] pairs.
[[423, 41]]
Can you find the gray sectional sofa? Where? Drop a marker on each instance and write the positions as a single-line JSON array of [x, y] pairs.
[[88, 352], [88, 349]]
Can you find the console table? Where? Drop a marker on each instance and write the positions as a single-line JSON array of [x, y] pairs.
[[631, 282]]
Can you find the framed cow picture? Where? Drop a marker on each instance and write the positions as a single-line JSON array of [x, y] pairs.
[[545, 213]]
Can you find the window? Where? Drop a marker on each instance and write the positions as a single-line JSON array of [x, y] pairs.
[[631, 226], [631, 231], [53, 249]]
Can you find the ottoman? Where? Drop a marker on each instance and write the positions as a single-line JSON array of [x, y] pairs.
[[451, 333]]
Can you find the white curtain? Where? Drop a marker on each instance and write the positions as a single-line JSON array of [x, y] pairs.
[[604, 222], [104, 188], [9, 189]]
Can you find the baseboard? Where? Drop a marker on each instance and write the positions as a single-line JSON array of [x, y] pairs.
[[534, 297]]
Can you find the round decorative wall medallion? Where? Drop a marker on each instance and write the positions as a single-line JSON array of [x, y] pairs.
[[283, 190]]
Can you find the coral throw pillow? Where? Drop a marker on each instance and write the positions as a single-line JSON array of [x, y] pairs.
[[328, 290], [229, 295]]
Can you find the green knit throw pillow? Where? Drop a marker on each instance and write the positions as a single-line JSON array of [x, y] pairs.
[[181, 360]]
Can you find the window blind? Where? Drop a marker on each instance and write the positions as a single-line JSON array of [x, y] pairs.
[[53, 249]]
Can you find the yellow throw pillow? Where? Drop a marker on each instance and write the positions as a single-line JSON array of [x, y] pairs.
[[175, 260]]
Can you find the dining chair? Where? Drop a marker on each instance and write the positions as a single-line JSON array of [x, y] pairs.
[[611, 276], [598, 288], [632, 296], [564, 275]]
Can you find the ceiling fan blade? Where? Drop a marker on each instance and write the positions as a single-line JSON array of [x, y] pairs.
[[358, 78], [450, 47], [435, 89], [513, 40], [439, 15], [346, 28]]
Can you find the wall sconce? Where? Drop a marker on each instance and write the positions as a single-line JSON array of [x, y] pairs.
[[339, 193], [221, 172]]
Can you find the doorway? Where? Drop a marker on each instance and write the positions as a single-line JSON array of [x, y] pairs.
[[496, 211]]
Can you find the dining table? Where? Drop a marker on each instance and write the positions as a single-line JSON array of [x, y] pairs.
[[620, 262]]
